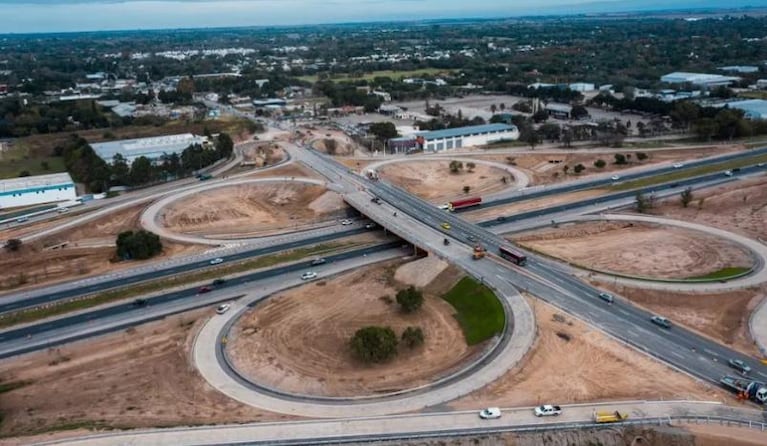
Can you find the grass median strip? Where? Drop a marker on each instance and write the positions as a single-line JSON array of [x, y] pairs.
[[480, 313], [688, 173], [59, 308], [724, 273]]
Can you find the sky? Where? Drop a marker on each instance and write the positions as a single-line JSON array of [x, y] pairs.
[[36, 16]]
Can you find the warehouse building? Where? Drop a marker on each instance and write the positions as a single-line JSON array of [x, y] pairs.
[[153, 148], [752, 108], [438, 140], [703, 80], [28, 191]]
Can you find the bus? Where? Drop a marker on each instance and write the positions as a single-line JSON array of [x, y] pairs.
[[513, 256]]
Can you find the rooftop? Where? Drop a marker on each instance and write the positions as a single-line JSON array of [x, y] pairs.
[[149, 147], [697, 78], [751, 106], [35, 181], [464, 131]]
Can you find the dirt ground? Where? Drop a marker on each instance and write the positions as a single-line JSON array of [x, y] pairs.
[[298, 340], [580, 368], [432, 180], [262, 153], [342, 144], [289, 170], [638, 249], [740, 206], [88, 251], [250, 209], [140, 377], [548, 167], [714, 435], [720, 316]]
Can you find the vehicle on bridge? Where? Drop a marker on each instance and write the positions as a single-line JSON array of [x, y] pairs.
[[445, 242], [204, 289], [661, 321], [446, 226], [513, 256], [609, 417], [308, 275], [217, 261], [490, 413], [547, 410], [455, 205], [740, 366], [204, 177], [607, 297], [478, 253], [746, 389]]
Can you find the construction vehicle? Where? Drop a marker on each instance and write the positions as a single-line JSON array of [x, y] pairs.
[[746, 389], [609, 417], [455, 205], [478, 253]]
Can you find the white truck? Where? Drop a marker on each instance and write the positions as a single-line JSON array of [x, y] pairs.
[[547, 410]]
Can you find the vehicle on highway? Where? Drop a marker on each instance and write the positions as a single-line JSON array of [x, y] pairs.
[[490, 413], [445, 242], [512, 256], [217, 261], [761, 165], [678, 165], [547, 410], [607, 297], [22, 219], [223, 308], [346, 222], [609, 417], [319, 261], [139, 302], [62, 210], [444, 207], [728, 173], [308, 275], [661, 321], [746, 389], [204, 289], [218, 282], [739, 365], [376, 200], [446, 226], [501, 218], [453, 206], [615, 177], [370, 226]]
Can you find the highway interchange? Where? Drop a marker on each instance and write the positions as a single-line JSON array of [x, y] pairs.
[[545, 279]]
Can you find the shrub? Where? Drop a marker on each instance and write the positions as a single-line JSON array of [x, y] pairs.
[[410, 299], [138, 245], [599, 164], [374, 344], [412, 337]]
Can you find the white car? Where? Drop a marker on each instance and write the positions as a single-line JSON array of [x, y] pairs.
[[547, 410], [678, 165], [308, 275], [216, 261], [223, 308], [490, 413], [615, 178], [346, 222], [728, 173]]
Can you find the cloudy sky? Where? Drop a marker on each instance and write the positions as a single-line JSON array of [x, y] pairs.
[[34, 16]]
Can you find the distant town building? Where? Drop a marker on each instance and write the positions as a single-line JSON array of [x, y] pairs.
[[582, 87], [39, 189], [456, 138], [153, 148], [743, 69], [561, 111], [761, 84], [753, 108], [270, 103], [704, 80]]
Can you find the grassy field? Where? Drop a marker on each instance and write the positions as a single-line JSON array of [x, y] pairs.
[[396, 75], [687, 173], [480, 313], [27, 316], [17, 159], [724, 273]]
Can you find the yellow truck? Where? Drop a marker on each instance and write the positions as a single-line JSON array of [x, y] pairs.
[[609, 417], [478, 253]]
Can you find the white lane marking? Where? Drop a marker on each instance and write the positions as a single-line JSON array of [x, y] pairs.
[[677, 355]]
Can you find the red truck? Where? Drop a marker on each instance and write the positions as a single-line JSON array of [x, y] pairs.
[[465, 203]]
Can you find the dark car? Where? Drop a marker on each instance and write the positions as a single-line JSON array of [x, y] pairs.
[[139, 302], [501, 218], [219, 282], [319, 261], [204, 289], [376, 200], [739, 365], [661, 321]]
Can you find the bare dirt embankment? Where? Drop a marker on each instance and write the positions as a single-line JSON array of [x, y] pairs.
[[136, 378], [298, 341], [80, 252], [261, 154], [739, 206], [333, 142], [572, 362], [638, 249], [433, 180], [253, 209]]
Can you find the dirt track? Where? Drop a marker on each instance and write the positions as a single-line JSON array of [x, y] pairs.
[[251, 209], [638, 249], [298, 341], [433, 181]]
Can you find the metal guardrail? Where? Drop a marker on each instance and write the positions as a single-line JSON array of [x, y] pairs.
[[401, 437]]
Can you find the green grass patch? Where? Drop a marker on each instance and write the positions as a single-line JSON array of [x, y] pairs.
[[480, 313], [18, 159], [682, 174], [395, 75], [135, 290], [724, 273]]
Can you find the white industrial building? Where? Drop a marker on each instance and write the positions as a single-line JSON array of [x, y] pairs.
[[153, 148], [704, 80], [28, 191], [752, 108], [477, 135]]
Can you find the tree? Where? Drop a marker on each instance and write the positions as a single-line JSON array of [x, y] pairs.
[[600, 164], [540, 116], [567, 137], [412, 337], [384, 131], [565, 169], [44, 165], [644, 203], [579, 168], [455, 166], [224, 145], [620, 158], [140, 171], [330, 146], [410, 299], [466, 189], [374, 344], [24, 173], [705, 128], [685, 113], [120, 170], [533, 138], [13, 244], [470, 165], [579, 112], [493, 108], [686, 197], [550, 131], [641, 156], [139, 245]]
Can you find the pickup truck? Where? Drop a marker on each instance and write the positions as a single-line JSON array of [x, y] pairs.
[[547, 410], [609, 417]]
